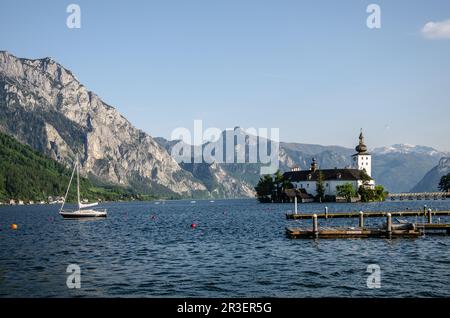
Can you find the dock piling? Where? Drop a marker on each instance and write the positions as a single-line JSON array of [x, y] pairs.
[[315, 225], [430, 219], [361, 219], [389, 223], [295, 204], [326, 212]]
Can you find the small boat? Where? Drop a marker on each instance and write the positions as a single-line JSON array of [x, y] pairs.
[[84, 210]]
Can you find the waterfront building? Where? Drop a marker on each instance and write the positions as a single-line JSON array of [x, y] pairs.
[[357, 175]]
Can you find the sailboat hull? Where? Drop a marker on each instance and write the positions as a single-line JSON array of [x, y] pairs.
[[83, 214]]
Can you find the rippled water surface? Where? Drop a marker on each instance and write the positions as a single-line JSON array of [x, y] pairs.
[[238, 249]]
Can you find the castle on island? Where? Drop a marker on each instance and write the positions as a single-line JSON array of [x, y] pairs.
[[359, 174]]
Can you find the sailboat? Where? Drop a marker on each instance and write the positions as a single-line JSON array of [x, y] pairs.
[[84, 210]]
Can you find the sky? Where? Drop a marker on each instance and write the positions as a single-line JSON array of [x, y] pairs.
[[313, 69]]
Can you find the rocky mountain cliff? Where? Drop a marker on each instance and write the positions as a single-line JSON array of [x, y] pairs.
[[44, 105], [430, 181]]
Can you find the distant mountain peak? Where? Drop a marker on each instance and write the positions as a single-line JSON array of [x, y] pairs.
[[408, 149]]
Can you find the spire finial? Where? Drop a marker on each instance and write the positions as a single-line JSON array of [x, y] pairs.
[[361, 148]]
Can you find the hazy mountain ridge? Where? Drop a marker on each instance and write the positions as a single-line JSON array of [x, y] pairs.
[[430, 181], [408, 149]]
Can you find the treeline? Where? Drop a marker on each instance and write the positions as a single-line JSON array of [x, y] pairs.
[[27, 175]]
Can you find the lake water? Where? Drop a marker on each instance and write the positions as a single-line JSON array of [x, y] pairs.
[[238, 249]]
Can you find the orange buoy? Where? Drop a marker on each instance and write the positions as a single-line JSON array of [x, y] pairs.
[[14, 226]]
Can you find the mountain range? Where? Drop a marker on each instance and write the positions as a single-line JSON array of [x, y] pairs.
[[429, 183], [43, 105]]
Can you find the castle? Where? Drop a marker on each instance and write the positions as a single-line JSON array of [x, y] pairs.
[[305, 181]]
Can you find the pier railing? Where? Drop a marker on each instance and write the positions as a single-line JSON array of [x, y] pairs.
[[419, 196]]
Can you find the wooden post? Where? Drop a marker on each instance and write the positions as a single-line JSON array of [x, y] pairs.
[[326, 212], [389, 223], [295, 203], [425, 209], [315, 225], [430, 220], [361, 219]]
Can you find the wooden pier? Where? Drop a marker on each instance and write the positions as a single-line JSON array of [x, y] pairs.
[[390, 230], [434, 228], [406, 230], [419, 196], [334, 215], [349, 232]]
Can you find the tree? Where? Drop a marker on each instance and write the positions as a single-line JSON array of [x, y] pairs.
[[278, 180], [380, 193], [370, 195], [320, 187], [346, 191], [365, 177], [444, 184], [272, 188], [265, 188]]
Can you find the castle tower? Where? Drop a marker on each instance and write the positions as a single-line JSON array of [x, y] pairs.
[[362, 160], [314, 165]]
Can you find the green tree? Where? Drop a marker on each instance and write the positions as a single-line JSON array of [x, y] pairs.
[[265, 189], [279, 183], [444, 183], [320, 187], [365, 177], [369, 195], [346, 191], [272, 188]]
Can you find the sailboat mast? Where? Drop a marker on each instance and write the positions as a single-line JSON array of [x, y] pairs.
[[68, 188], [78, 181]]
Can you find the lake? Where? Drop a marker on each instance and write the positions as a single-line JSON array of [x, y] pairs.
[[237, 249]]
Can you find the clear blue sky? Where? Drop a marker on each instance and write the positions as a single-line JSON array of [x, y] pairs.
[[311, 68]]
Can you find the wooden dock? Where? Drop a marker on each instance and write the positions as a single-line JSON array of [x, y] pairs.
[[334, 215], [390, 230], [351, 232], [434, 228]]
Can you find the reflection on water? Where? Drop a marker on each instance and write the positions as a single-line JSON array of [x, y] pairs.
[[238, 248]]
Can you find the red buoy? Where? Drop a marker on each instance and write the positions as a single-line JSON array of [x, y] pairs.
[[193, 225]]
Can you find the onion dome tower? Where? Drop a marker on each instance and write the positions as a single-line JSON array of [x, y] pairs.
[[362, 160], [314, 165]]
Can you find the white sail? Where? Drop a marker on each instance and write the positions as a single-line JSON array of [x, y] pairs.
[[87, 205]]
